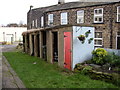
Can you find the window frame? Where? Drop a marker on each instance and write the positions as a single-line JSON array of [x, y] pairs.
[[50, 19], [118, 13], [96, 45], [64, 20], [36, 22], [33, 23], [42, 21], [98, 15], [79, 17]]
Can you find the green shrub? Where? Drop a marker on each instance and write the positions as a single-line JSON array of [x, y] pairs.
[[99, 56], [86, 69], [113, 59], [82, 68], [4, 43]]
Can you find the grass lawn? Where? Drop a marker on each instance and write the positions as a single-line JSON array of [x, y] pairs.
[[45, 75]]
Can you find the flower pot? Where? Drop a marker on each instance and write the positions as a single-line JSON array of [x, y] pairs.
[[81, 38]]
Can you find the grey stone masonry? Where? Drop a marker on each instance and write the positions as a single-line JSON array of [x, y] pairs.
[[109, 27]]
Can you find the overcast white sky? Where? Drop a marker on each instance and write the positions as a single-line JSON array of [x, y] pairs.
[[14, 11]]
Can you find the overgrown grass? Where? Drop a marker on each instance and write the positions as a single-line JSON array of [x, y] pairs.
[[45, 75]]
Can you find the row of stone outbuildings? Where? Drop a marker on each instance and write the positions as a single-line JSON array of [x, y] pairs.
[[48, 27]]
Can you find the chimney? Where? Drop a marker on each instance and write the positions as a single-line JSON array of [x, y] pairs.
[[31, 7], [61, 1]]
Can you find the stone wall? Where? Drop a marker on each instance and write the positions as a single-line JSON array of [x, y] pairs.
[[109, 27]]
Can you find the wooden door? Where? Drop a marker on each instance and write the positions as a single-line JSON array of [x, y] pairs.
[[67, 50]]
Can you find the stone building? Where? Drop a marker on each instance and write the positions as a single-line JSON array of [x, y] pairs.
[[46, 26], [11, 34]]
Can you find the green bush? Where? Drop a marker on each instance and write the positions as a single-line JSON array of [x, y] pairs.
[[99, 56], [82, 68], [4, 43], [113, 59]]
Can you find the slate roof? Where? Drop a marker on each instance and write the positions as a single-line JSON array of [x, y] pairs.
[[70, 5]]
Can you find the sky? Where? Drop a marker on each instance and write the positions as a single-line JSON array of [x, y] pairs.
[[15, 11]]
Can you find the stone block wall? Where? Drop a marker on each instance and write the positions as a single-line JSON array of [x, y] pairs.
[[109, 27]]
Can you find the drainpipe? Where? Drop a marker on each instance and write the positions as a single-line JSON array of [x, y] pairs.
[[44, 20], [111, 30]]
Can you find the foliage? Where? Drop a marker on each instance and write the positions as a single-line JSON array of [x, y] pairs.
[[83, 68], [86, 69], [46, 75], [113, 59], [113, 78], [97, 75], [90, 40], [99, 56], [87, 33], [3, 43], [81, 36]]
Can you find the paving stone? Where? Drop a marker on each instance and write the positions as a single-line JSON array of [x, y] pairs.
[[8, 77]]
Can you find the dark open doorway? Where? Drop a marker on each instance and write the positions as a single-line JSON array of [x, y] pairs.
[[55, 46], [118, 42], [24, 43], [44, 50], [28, 45], [38, 45], [32, 45]]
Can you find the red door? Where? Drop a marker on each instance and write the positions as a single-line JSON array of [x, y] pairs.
[[67, 50]]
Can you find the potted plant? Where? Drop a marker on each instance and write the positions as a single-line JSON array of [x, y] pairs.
[[81, 38]]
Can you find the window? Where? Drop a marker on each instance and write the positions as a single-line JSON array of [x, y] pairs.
[[42, 21], [64, 18], [50, 19], [118, 14], [98, 15], [80, 16], [98, 39], [33, 23], [36, 23]]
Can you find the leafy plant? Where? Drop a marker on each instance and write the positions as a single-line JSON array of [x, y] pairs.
[[82, 68], [90, 40], [113, 59], [86, 69], [99, 56], [87, 33]]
